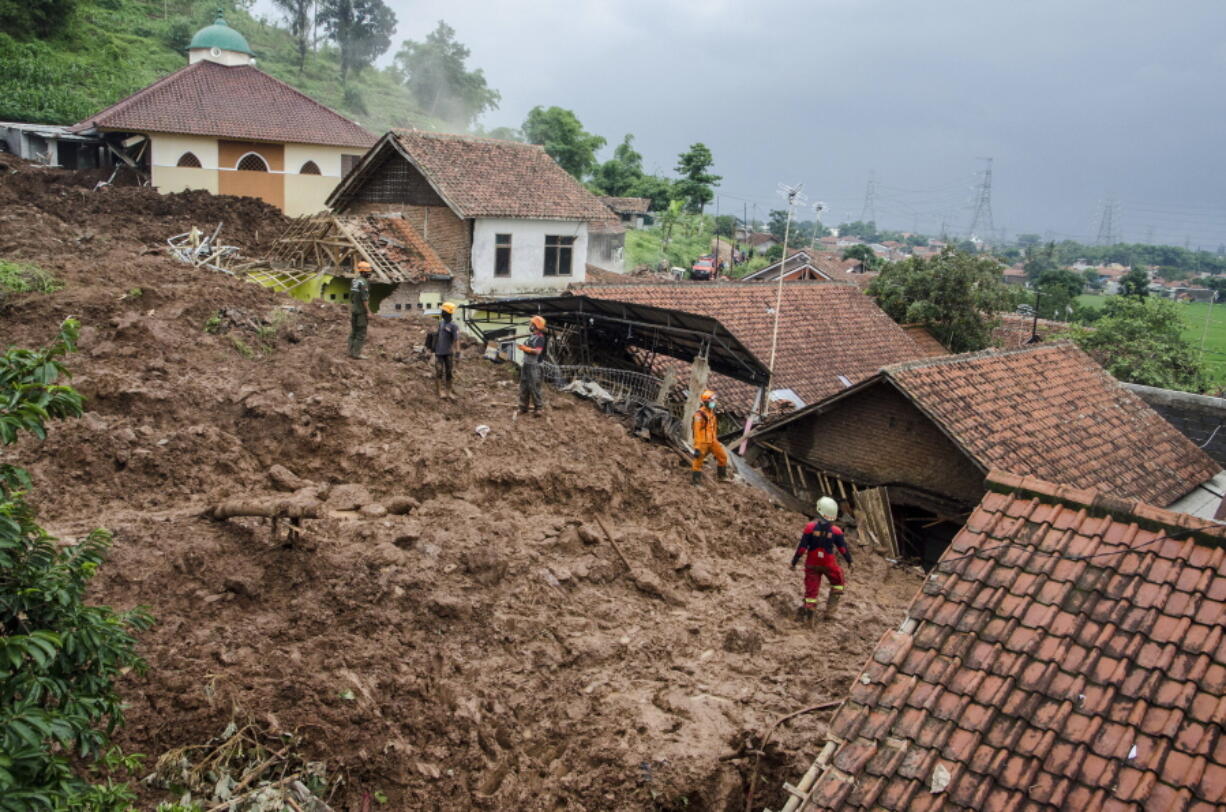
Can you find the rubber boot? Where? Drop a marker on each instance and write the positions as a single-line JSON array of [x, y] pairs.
[[695, 477], [722, 472], [832, 602]]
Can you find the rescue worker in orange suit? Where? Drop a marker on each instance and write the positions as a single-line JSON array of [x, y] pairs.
[[530, 372], [706, 440], [817, 546]]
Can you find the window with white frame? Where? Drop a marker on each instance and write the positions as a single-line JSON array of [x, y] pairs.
[[559, 253]]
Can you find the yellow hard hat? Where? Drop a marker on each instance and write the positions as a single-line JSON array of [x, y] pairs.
[[447, 307]]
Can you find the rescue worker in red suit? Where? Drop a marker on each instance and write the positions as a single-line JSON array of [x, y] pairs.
[[706, 440], [817, 546]]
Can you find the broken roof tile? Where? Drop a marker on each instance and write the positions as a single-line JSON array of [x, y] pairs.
[[826, 329], [1066, 710]]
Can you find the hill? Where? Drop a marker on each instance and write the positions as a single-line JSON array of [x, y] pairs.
[[112, 48], [486, 648]]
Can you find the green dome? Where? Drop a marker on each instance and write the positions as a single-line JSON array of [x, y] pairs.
[[220, 35]]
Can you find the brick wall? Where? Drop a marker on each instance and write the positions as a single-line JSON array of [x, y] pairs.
[[448, 235], [876, 436], [395, 186]]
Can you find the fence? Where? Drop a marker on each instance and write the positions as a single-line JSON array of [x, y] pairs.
[[621, 390]]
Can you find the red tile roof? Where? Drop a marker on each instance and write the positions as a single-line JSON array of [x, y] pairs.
[[398, 242], [760, 238], [1066, 652], [239, 102], [628, 205], [926, 340], [1050, 411], [826, 329], [486, 177]]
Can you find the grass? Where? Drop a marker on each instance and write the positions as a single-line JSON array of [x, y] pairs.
[[1200, 320], [112, 48], [20, 277]]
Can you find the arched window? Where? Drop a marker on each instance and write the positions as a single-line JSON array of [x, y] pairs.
[[189, 159], [252, 162], [309, 168]]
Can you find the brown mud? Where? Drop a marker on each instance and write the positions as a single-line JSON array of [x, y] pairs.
[[486, 649]]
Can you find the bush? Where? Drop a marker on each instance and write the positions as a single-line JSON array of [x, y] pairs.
[[18, 277], [58, 656]]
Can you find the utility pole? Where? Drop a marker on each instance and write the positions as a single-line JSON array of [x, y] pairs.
[[868, 214], [1106, 224], [794, 198], [982, 218]]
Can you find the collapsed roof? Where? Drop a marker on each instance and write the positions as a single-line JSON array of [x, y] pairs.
[[334, 244], [649, 327]]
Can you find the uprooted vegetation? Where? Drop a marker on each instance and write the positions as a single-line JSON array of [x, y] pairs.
[[452, 628]]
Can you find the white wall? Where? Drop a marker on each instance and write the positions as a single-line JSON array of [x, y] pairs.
[[167, 149], [527, 255]]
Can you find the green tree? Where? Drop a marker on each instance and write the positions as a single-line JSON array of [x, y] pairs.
[[696, 182], [777, 223], [619, 176], [1135, 283], [563, 137], [725, 225], [436, 74], [298, 16], [1138, 339], [657, 189], [1058, 289], [1039, 260], [58, 656], [361, 28], [25, 19], [955, 295], [865, 254]]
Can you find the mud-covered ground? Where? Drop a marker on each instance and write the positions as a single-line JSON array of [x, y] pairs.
[[488, 649]]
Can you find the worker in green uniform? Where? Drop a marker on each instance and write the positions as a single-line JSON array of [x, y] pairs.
[[359, 310]]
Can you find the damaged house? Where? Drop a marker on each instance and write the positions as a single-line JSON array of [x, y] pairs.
[[922, 436], [1065, 653], [502, 216], [222, 125], [830, 334]]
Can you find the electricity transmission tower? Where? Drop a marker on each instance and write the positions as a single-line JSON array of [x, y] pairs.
[[981, 220], [1106, 224], [868, 214]]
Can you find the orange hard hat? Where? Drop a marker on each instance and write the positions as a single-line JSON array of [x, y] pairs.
[[707, 396], [363, 267], [538, 322]]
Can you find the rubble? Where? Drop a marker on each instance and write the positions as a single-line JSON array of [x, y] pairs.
[[500, 649]]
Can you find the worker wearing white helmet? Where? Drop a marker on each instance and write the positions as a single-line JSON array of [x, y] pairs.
[[818, 543]]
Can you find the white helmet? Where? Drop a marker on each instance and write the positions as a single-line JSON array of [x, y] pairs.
[[827, 508]]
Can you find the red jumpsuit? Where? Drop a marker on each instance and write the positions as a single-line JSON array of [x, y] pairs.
[[818, 544]]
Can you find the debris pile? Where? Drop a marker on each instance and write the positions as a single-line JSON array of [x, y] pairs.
[[545, 614]]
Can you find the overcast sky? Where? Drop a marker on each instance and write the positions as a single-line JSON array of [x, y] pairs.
[[1077, 101]]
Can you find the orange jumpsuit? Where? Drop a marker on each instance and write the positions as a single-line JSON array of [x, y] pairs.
[[706, 439]]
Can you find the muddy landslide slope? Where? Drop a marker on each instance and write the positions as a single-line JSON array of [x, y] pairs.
[[485, 649]]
